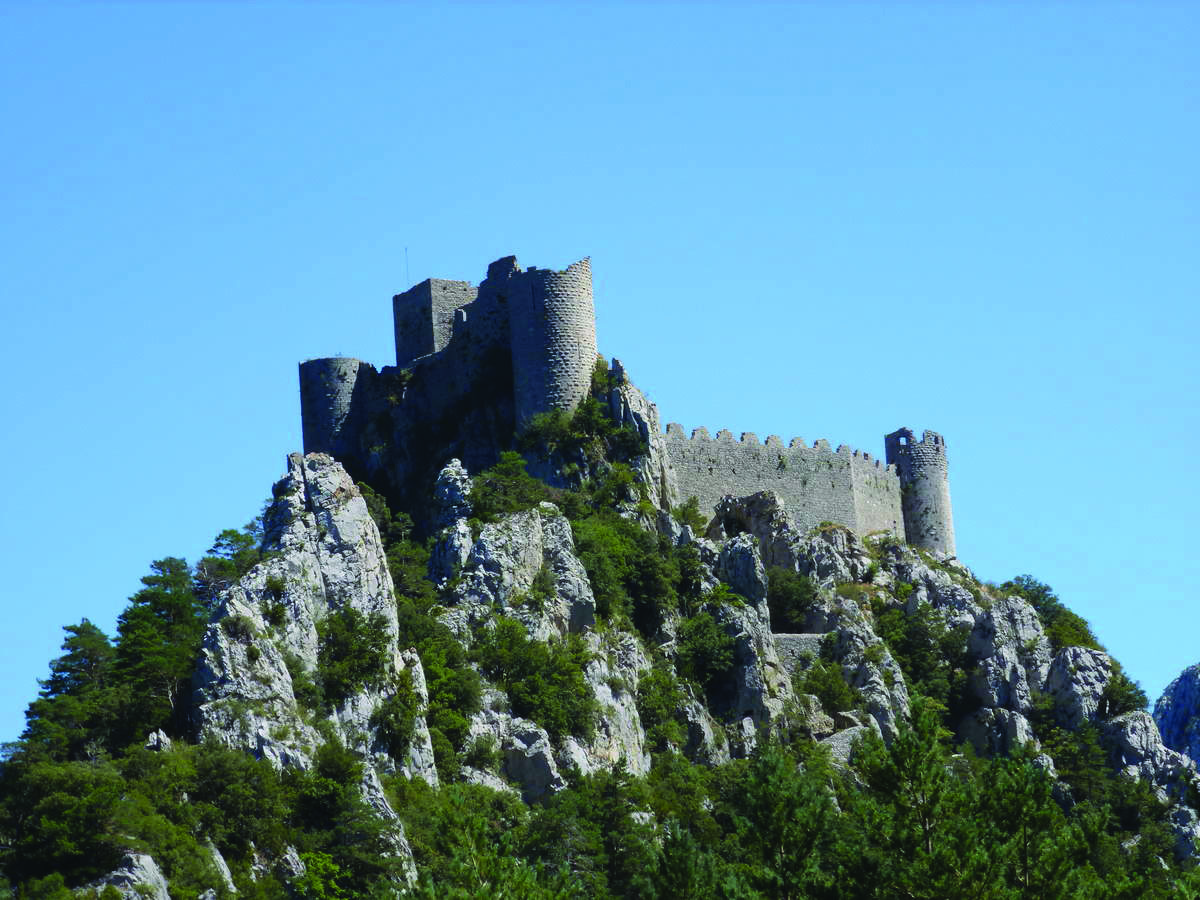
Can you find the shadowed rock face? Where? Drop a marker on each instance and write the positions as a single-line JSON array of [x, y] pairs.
[[1177, 713]]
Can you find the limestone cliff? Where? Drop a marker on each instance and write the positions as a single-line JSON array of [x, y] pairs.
[[1177, 713], [325, 556]]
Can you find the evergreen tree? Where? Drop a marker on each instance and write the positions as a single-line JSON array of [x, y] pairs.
[[158, 640], [75, 713]]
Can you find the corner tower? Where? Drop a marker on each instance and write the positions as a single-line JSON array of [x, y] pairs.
[[326, 393], [925, 489], [552, 324]]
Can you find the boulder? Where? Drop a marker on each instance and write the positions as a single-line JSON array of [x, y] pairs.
[[740, 566], [843, 744], [1137, 751], [996, 732], [1076, 679]]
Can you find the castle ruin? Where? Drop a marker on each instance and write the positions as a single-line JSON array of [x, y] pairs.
[[475, 364]]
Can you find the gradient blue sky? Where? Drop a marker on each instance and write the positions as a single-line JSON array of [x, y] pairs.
[[817, 220]]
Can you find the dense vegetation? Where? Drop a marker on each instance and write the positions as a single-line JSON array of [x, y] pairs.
[[921, 818]]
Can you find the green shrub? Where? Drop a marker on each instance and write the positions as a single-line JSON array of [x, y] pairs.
[[932, 656], [304, 688], [589, 432], [483, 753], [1063, 627], [238, 626], [275, 586], [1121, 695], [688, 513], [396, 718], [543, 589], [790, 598], [705, 651], [351, 652], [634, 574], [659, 699], [275, 613], [506, 488], [824, 679], [544, 681]]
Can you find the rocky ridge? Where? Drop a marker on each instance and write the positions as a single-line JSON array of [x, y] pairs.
[[325, 555]]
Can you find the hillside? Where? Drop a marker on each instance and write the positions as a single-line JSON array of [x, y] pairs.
[[559, 687]]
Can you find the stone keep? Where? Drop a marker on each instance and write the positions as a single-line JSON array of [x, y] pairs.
[[474, 364]]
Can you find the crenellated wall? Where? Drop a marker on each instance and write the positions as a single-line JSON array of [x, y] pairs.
[[475, 364], [816, 484]]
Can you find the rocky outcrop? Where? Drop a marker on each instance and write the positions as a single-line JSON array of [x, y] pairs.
[[137, 878], [451, 494], [628, 406], [523, 567], [706, 742], [525, 752], [868, 665], [760, 686], [1013, 654], [740, 566], [616, 666], [830, 555], [996, 732], [324, 557], [1137, 751], [1076, 680], [1177, 713], [454, 541]]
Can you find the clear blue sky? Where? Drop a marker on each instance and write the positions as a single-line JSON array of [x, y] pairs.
[[824, 220]]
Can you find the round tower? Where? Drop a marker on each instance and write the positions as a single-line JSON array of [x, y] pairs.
[[925, 489], [553, 335], [326, 392]]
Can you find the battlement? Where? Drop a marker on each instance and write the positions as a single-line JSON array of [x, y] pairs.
[[922, 466], [475, 363], [815, 483], [700, 436]]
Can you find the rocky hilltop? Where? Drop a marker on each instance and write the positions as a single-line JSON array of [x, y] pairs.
[[543, 642]]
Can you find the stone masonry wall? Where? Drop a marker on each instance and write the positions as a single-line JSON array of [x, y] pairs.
[[552, 325], [326, 397], [424, 316], [816, 484], [476, 363], [877, 496], [923, 469]]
